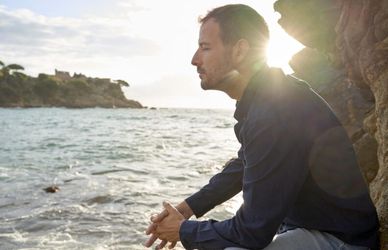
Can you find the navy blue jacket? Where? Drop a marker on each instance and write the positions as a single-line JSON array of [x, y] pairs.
[[296, 168]]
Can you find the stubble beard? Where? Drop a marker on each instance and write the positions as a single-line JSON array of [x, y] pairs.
[[225, 79], [221, 84], [204, 85]]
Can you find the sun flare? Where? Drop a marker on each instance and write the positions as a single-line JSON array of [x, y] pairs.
[[281, 48]]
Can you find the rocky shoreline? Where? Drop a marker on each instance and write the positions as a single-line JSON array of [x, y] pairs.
[[18, 90]]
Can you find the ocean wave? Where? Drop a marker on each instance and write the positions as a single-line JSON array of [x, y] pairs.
[[113, 169]]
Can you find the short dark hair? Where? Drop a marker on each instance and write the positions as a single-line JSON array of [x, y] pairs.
[[239, 21]]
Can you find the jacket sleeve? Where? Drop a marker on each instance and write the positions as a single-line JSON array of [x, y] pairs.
[[220, 188], [274, 172]]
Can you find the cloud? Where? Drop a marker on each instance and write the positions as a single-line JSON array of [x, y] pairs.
[[24, 33], [144, 42]]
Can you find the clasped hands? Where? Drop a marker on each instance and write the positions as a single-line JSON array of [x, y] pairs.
[[165, 226]]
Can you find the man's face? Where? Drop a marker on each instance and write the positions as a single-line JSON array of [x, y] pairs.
[[212, 58]]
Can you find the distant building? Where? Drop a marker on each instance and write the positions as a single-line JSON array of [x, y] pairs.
[[80, 76], [62, 75]]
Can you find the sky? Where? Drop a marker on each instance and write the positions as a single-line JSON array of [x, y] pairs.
[[148, 43]]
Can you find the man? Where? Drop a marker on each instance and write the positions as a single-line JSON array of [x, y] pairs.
[[296, 166]]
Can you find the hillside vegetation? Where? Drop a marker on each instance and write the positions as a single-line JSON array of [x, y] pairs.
[[60, 90]]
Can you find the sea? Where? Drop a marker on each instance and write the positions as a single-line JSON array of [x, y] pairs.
[[113, 168]]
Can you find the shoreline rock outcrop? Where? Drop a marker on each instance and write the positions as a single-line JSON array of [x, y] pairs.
[[61, 90], [346, 61]]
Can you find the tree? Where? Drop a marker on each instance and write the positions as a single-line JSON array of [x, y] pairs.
[[15, 67], [122, 83], [46, 89], [20, 75], [6, 70]]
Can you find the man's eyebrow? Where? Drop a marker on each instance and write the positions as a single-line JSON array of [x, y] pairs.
[[203, 43]]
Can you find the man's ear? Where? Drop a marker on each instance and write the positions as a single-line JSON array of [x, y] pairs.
[[240, 50]]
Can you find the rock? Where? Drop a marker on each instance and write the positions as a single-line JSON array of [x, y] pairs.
[[348, 101], [353, 36], [314, 67], [366, 148], [62, 90], [315, 21], [51, 189]]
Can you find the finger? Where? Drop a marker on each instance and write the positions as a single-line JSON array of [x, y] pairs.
[[151, 240], [151, 228], [162, 244], [172, 245], [169, 207], [153, 216], [159, 217]]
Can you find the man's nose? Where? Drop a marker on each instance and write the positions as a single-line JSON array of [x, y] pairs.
[[195, 59]]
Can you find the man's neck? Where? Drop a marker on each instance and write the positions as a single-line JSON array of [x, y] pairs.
[[241, 79]]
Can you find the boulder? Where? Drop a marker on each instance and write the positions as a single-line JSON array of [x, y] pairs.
[[346, 61]]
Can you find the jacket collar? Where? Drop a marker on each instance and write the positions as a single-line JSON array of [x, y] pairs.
[[242, 106]]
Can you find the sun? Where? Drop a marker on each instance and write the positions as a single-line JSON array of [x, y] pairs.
[[281, 48]]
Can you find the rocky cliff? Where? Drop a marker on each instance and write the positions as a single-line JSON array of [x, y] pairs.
[[346, 61], [60, 90]]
